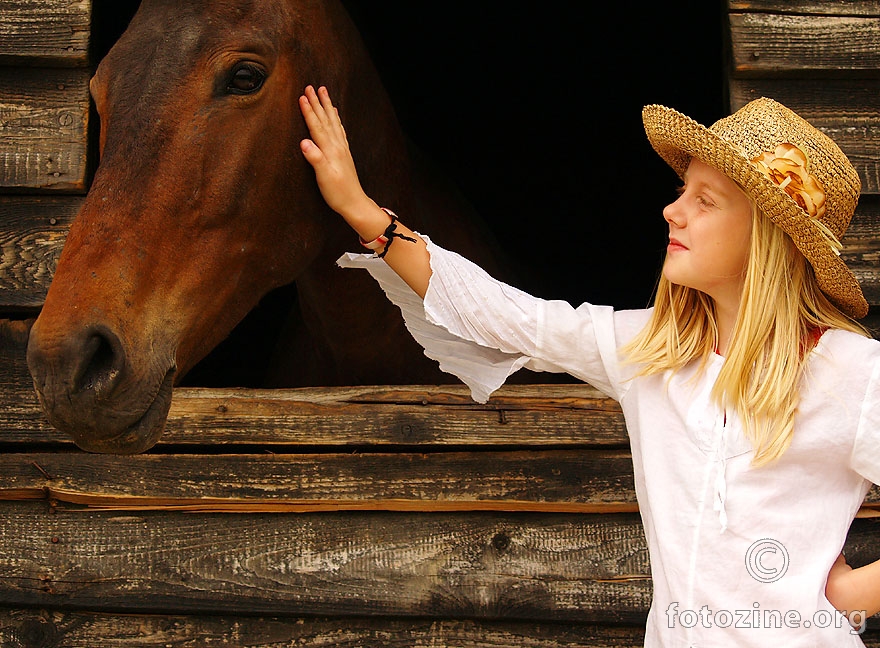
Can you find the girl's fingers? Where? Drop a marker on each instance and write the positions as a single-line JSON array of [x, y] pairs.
[[322, 117], [310, 150], [327, 104]]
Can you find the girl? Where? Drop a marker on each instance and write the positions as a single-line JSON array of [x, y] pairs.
[[751, 395]]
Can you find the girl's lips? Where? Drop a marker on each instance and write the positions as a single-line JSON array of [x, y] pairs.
[[674, 245]]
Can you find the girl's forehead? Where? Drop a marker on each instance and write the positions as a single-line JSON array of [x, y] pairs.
[[712, 178]]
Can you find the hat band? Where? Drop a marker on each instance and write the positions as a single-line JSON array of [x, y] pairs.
[[829, 237], [786, 166]]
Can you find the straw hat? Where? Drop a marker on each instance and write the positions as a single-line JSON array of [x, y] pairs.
[[797, 175]]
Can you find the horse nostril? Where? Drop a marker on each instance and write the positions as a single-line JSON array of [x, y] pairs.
[[100, 364]]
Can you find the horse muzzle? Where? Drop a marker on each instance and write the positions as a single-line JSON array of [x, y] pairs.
[[88, 388]]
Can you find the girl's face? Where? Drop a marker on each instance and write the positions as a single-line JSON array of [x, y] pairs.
[[710, 226]]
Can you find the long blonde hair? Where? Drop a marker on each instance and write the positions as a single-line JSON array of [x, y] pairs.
[[780, 310]]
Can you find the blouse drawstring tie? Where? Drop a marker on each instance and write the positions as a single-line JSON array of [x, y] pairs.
[[721, 476]]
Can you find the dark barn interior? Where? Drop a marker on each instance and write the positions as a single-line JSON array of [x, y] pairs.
[[533, 110]]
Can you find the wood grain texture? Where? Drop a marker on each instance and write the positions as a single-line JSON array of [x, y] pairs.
[[21, 628], [27, 628], [573, 481], [809, 7], [581, 568], [32, 232], [861, 248], [550, 481], [44, 115], [45, 32], [520, 567], [786, 45]]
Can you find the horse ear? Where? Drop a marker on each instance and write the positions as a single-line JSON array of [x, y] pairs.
[[95, 92]]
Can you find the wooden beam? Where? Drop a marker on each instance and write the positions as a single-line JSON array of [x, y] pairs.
[[517, 567], [571, 481], [160, 631], [44, 116], [814, 7], [45, 32], [791, 45], [32, 232]]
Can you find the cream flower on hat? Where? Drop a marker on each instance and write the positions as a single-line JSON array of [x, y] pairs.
[[787, 167]]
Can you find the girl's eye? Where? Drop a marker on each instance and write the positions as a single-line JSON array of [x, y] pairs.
[[700, 199]]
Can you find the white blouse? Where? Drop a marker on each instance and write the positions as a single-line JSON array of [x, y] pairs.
[[739, 555]]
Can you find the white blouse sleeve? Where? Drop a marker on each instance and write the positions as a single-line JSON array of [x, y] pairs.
[[483, 330], [866, 449]]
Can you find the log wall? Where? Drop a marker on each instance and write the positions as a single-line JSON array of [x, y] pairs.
[[382, 516]]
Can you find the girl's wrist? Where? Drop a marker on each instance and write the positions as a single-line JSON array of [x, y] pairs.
[[367, 220]]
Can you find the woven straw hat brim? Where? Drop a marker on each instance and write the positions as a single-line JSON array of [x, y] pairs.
[[677, 138]]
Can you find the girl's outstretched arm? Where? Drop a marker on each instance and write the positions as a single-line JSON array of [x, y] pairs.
[[850, 590], [328, 153]]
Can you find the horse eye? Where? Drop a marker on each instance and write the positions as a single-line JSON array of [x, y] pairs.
[[246, 78]]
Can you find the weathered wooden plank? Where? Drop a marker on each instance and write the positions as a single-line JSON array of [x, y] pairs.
[[445, 415], [542, 481], [815, 7], [845, 109], [32, 233], [87, 630], [45, 32], [770, 44], [528, 480], [523, 567], [575, 481], [861, 250], [44, 116], [283, 418]]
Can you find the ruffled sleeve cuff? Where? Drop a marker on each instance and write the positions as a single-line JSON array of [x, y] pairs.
[[446, 338]]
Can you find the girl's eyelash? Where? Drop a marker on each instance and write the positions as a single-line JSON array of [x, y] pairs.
[[700, 199]]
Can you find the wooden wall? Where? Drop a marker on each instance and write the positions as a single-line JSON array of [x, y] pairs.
[[386, 516]]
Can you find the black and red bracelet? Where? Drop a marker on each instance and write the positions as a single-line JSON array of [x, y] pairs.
[[385, 239]]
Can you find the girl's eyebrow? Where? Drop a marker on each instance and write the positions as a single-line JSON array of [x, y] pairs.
[[702, 185]]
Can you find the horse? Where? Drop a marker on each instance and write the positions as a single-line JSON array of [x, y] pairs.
[[202, 203]]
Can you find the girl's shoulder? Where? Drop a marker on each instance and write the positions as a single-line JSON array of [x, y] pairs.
[[628, 323], [848, 351]]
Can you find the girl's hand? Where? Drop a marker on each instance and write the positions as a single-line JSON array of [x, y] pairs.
[[337, 177], [329, 155]]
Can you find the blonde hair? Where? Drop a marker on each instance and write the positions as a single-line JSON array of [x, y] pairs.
[[780, 310]]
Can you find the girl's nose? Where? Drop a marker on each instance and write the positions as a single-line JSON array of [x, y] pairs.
[[673, 214]]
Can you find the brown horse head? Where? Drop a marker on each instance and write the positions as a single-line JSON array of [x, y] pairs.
[[202, 203]]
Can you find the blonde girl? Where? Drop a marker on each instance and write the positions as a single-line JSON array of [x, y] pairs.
[[750, 392]]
